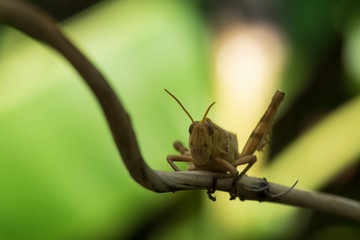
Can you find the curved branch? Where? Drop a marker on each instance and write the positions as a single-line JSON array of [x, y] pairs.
[[39, 25]]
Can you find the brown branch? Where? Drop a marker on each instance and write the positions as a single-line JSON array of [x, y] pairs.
[[39, 25]]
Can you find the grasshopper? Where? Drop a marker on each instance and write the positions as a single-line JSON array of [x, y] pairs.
[[216, 150]]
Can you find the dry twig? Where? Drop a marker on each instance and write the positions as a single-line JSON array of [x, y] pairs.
[[40, 26]]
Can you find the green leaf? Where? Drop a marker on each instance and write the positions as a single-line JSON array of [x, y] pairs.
[[61, 176]]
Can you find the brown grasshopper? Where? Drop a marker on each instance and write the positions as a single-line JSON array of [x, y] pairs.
[[214, 149]]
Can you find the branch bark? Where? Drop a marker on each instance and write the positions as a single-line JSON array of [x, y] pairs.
[[39, 25]]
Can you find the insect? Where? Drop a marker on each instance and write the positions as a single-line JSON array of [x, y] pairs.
[[214, 149]]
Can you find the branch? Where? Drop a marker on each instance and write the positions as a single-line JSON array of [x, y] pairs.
[[39, 25]]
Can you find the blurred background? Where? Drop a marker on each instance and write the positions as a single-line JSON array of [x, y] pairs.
[[61, 176]]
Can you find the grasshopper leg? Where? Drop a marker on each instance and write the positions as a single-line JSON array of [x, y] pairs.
[[181, 148], [229, 167], [176, 158], [249, 160]]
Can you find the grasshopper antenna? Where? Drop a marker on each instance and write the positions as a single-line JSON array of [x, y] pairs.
[[207, 111], [192, 120]]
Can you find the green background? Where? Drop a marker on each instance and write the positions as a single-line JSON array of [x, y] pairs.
[[62, 178]]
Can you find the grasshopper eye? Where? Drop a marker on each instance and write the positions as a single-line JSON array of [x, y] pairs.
[[191, 128], [209, 128]]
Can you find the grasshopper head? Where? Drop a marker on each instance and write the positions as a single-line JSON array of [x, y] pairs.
[[201, 133], [201, 139]]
